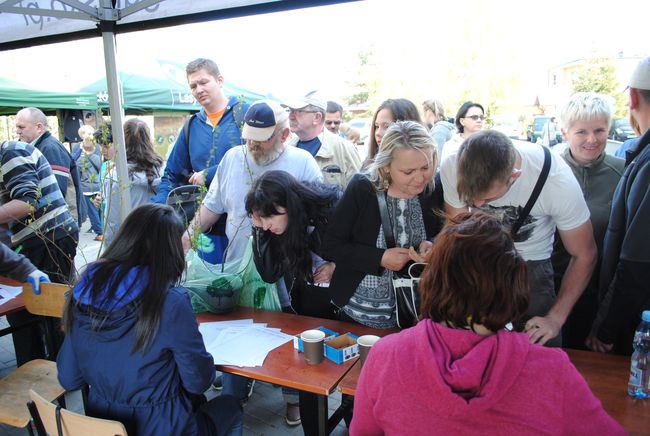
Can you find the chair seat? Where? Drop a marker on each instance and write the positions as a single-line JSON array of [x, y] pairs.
[[39, 375]]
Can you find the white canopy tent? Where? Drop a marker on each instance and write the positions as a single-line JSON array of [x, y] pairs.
[[45, 22]]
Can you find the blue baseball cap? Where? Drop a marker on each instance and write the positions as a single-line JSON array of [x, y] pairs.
[[261, 118]]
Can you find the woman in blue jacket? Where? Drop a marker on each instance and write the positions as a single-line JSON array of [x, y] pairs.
[[132, 338]]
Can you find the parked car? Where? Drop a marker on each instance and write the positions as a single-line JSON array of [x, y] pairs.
[[362, 125], [534, 130], [621, 130], [508, 126]]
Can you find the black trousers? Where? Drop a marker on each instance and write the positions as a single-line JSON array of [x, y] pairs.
[[56, 260], [309, 401]]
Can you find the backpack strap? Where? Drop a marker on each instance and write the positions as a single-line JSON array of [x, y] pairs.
[[543, 175], [186, 129]]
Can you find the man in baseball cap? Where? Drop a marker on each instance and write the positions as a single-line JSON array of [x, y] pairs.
[[625, 270], [337, 158], [261, 119]]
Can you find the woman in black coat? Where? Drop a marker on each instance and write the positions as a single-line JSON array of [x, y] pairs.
[[403, 170]]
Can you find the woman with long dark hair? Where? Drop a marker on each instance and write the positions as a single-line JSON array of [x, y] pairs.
[[289, 220], [389, 111], [132, 337], [144, 168]]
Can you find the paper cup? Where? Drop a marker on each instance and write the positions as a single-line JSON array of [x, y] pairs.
[[365, 343], [312, 343]]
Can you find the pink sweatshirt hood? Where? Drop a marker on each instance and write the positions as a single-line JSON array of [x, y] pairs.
[[472, 371]]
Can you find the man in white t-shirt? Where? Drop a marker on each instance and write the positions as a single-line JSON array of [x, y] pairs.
[[266, 128], [492, 174]]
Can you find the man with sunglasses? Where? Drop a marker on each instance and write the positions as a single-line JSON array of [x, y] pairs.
[[491, 173], [336, 157], [334, 118]]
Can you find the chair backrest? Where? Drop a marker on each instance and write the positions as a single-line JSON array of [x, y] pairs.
[[73, 424], [49, 302]]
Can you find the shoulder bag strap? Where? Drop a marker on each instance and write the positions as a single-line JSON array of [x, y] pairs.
[[543, 175], [385, 219]]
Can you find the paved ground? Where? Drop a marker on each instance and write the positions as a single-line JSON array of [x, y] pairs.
[[263, 415]]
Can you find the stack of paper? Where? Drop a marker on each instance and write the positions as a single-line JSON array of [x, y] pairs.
[[8, 292], [241, 342]]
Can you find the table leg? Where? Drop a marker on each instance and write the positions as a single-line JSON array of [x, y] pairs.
[[322, 415]]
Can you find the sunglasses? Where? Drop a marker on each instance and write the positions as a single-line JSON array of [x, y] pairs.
[[477, 117]]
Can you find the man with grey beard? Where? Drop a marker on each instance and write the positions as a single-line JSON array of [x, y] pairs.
[[266, 128]]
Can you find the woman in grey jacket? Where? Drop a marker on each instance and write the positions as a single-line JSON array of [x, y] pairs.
[[586, 119], [145, 170]]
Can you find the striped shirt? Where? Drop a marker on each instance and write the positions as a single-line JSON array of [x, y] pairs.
[[26, 175]]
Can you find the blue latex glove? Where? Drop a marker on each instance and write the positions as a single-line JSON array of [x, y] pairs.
[[37, 277]]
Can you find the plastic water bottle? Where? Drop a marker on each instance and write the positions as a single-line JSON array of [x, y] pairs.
[[639, 384]]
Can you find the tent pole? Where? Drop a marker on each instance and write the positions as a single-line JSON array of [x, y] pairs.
[[117, 116]]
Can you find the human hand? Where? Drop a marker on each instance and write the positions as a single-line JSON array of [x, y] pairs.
[[186, 241], [197, 178], [595, 344], [422, 253], [541, 329], [324, 273], [395, 258], [35, 278]]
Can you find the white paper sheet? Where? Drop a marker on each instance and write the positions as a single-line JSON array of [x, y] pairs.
[[9, 292], [241, 343]]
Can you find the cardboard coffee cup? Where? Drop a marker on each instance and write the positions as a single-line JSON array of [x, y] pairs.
[[365, 344], [312, 343]]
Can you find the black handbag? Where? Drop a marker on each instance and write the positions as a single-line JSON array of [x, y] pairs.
[[403, 283], [186, 200]]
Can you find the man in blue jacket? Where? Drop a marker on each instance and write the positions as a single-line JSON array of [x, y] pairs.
[[202, 144]]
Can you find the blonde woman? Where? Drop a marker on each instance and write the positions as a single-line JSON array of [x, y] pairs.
[[403, 169]]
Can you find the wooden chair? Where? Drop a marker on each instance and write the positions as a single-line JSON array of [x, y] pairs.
[[38, 374], [53, 420]]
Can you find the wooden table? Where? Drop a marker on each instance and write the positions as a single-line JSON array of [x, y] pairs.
[[607, 376], [286, 366]]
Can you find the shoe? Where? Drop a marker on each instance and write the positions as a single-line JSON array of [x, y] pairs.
[[249, 391], [217, 384], [292, 415], [99, 238]]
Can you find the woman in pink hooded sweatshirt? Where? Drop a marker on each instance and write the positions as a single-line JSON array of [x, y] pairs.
[[458, 371]]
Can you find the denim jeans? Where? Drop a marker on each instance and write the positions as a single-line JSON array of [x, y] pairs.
[[93, 215], [234, 385], [221, 416]]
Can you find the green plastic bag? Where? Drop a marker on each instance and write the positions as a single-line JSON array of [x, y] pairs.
[[218, 288]]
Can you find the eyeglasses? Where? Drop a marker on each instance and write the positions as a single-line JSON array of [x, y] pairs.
[[476, 117], [333, 123], [293, 111]]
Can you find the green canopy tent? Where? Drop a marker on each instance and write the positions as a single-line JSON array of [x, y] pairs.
[[163, 88], [14, 95]]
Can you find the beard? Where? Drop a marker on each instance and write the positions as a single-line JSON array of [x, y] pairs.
[[265, 157]]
